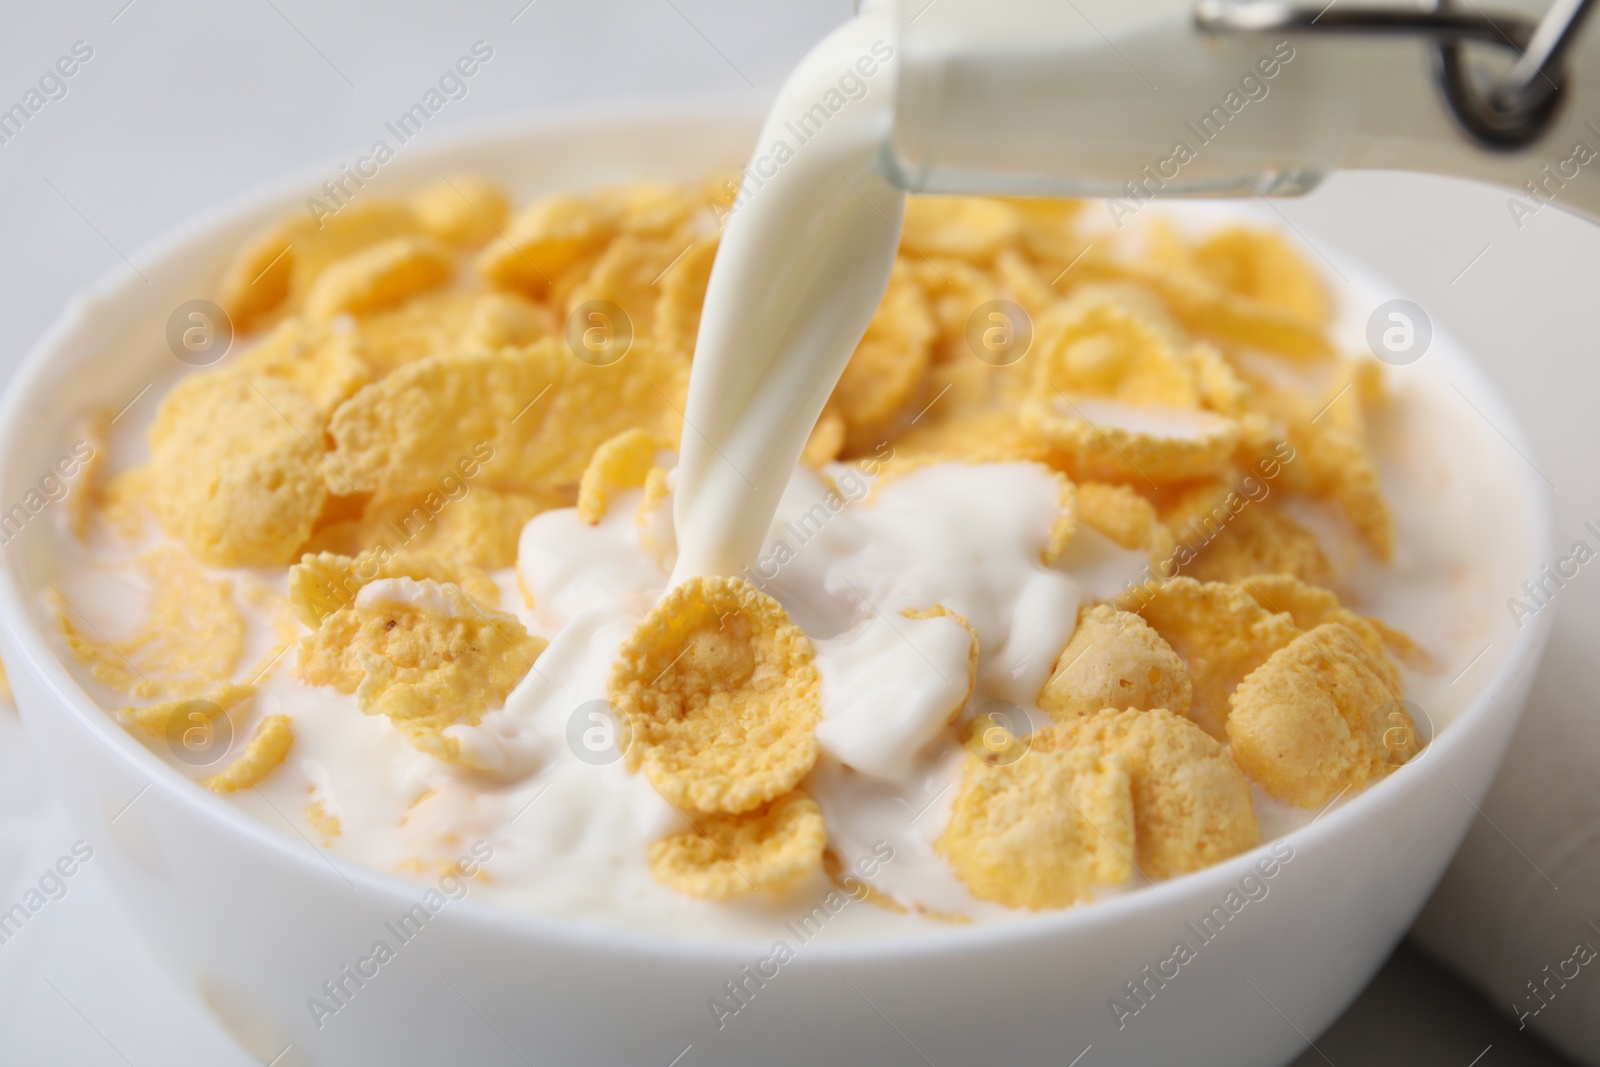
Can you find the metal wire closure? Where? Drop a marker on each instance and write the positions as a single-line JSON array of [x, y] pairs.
[[1505, 116]]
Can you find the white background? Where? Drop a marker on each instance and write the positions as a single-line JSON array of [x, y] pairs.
[[186, 104]]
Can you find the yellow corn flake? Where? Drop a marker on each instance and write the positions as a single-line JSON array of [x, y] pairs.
[[1309, 607], [325, 823], [1122, 515], [436, 661], [620, 463], [1099, 439], [1191, 806], [463, 209], [1023, 282], [964, 227], [1217, 385], [1335, 461], [124, 502], [722, 695], [1050, 229], [379, 277], [322, 584], [1043, 831], [888, 363], [683, 292], [1318, 718], [478, 528], [267, 750], [1262, 265], [505, 320], [654, 518], [826, 440], [1259, 540], [1236, 319], [156, 721], [1099, 344], [1218, 630], [728, 856], [993, 436], [626, 275], [954, 289], [543, 411], [191, 637], [1196, 512], [323, 364], [238, 473], [1115, 660], [545, 240], [275, 270], [650, 210]]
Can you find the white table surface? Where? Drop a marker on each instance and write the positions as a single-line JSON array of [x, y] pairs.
[[186, 104]]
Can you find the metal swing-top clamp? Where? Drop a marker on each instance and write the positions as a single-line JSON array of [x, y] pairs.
[[1507, 115]]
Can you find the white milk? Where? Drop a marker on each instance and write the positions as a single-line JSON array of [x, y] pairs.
[[803, 264]]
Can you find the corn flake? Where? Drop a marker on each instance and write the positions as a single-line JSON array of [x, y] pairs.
[[964, 227], [238, 473], [1100, 344], [1122, 515], [190, 639], [267, 750], [888, 363], [155, 721], [379, 277], [325, 583], [463, 209], [1261, 540], [722, 695], [623, 462], [1218, 630], [683, 292], [1115, 660], [430, 662], [1319, 717], [1100, 439], [1043, 831], [1191, 806], [545, 240], [727, 856]]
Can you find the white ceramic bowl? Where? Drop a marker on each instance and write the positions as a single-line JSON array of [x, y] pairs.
[[256, 920]]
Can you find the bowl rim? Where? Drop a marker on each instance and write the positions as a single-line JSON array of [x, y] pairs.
[[488, 917]]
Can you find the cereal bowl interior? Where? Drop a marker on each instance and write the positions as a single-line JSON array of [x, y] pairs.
[[319, 931]]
